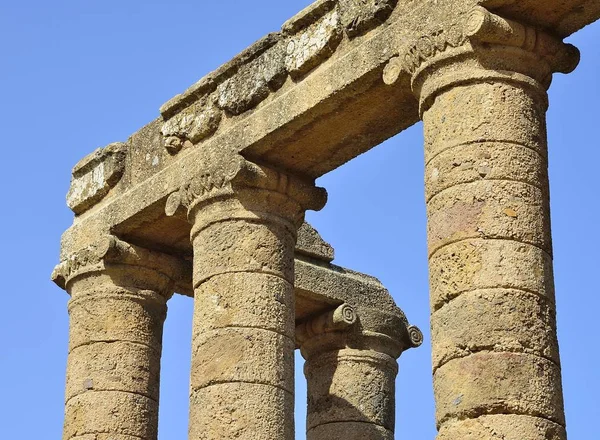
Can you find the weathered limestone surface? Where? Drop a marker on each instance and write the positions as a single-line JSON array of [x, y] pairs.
[[231, 164], [483, 101], [117, 309], [244, 224], [351, 370], [308, 125]]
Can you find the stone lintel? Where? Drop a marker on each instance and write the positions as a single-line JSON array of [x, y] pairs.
[[307, 126]]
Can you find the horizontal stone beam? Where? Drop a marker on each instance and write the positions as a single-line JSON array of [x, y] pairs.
[[305, 99]]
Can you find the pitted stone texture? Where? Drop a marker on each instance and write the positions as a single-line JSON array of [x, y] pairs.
[[121, 317], [308, 16], [485, 112], [245, 355], [194, 123], [253, 81], [236, 246], [311, 244], [95, 175], [493, 383], [491, 276], [113, 366], [503, 427], [360, 16], [105, 437], [488, 264], [111, 413], [490, 209], [351, 386], [485, 161], [312, 118], [514, 321], [312, 45], [242, 376], [349, 431], [241, 411], [255, 300]]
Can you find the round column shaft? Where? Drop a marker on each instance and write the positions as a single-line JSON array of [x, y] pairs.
[[492, 292], [113, 368], [351, 374], [351, 395], [495, 351], [242, 379]]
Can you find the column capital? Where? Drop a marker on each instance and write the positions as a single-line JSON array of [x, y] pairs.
[[481, 46], [357, 328], [243, 188], [110, 254]]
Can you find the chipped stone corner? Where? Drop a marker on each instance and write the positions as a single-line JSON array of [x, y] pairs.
[[360, 16], [308, 47], [95, 175]]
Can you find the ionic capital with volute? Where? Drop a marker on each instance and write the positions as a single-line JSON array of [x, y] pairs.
[[481, 46]]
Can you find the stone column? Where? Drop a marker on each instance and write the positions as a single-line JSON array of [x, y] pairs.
[[117, 309], [245, 219], [351, 371], [495, 352]]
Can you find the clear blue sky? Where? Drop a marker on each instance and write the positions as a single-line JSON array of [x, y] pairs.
[[77, 75]]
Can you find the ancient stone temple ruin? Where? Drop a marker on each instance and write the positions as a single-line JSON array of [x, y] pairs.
[[209, 199]]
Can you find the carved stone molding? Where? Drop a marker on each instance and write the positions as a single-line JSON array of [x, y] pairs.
[[309, 47], [215, 181], [481, 45], [193, 124], [109, 250], [305, 42], [95, 175], [339, 319], [359, 328], [360, 16], [225, 173], [253, 82]]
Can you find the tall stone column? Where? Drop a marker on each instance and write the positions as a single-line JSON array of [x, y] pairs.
[[351, 370], [245, 219], [495, 352], [117, 309]]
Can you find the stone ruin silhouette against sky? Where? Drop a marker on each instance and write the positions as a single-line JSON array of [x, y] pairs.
[[209, 199]]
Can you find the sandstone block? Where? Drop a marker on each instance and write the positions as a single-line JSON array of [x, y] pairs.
[[104, 437], [490, 209], [95, 175], [313, 45], [253, 81], [469, 114], [502, 427], [360, 16], [241, 246], [478, 264], [252, 300], [241, 411], [492, 383], [194, 123], [501, 320], [123, 317], [349, 431], [243, 355], [485, 161], [114, 366], [351, 385], [112, 413]]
